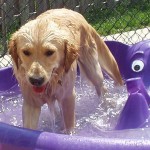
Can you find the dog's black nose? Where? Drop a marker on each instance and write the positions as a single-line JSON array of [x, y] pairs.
[[36, 81]]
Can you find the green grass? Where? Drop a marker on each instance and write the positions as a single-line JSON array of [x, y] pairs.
[[125, 16]]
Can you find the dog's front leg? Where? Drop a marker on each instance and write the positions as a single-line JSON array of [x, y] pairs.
[[51, 106], [68, 112], [30, 115]]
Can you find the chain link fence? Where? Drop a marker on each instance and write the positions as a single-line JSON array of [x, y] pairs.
[[127, 21]]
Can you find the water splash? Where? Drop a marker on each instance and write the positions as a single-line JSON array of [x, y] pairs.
[[94, 115], [10, 106], [100, 113]]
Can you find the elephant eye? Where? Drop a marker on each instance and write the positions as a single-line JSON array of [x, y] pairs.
[[137, 65]]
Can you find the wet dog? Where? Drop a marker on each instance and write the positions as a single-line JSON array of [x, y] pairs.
[[45, 53]]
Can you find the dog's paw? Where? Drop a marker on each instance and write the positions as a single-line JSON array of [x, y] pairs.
[[69, 132]]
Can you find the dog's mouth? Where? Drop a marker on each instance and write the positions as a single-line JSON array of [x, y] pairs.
[[39, 89], [37, 84]]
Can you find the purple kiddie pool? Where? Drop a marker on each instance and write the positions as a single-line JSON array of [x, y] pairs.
[[131, 130]]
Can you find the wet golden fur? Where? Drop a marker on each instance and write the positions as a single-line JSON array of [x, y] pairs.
[[50, 47]]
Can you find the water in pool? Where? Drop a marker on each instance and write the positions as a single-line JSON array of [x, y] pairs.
[[94, 116]]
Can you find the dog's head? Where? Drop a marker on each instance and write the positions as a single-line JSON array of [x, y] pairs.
[[40, 47]]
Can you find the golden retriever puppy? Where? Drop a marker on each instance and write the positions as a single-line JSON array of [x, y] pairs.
[[45, 53]]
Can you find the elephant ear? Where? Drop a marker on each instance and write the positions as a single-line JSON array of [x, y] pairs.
[[71, 54], [12, 47], [120, 52]]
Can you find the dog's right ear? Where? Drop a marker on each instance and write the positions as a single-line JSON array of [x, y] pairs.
[[71, 54], [12, 48]]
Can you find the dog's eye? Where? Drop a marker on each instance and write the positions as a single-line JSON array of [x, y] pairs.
[[26, 52], [49, 53]]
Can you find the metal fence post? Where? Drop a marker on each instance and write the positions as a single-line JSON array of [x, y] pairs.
[[24, 10], [4, 30]]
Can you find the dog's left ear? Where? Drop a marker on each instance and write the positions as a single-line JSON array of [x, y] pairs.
[[12, 47], [71, 54]]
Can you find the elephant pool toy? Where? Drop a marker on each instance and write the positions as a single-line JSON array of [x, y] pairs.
[[134, 64]]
